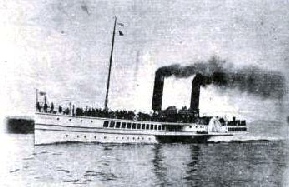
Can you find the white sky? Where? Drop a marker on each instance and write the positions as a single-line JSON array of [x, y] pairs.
[[59, 47]]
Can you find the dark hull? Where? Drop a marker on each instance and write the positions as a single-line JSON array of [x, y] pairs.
[[182, 139], [19, 126]]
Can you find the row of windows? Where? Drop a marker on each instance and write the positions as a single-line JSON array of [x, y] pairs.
[[237, 129], [117, 138], [128, 125]]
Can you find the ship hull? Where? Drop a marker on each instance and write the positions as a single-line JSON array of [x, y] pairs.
[[70, 135], [50, 129]]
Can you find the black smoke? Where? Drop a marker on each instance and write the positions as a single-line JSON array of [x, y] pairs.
[[250, 79]]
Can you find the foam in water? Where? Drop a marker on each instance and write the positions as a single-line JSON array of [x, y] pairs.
[[243, 138]]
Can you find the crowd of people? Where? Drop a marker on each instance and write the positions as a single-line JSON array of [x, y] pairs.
[[184, 115], [50, 109]]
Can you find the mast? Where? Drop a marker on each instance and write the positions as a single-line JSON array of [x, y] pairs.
[[36, 97], [36, 94], [110, 64]]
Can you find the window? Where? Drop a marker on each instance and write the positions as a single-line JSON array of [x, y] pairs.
[[123, 125], [111, 124], [163, 128], [152, 127], [143, 126], [117, 124], [156, 127], [159, 127], [138, 126], [148, 127], [129, 125], [105, 124], [133, 126]]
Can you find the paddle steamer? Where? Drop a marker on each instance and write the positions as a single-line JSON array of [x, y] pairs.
[[105, 126]]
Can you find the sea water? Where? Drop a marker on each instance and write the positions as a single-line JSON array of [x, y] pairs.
[[261, 158]]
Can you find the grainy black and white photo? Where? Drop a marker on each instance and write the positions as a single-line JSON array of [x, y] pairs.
[[144, 93]]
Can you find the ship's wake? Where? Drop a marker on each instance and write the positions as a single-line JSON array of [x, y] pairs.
[[244, 138]]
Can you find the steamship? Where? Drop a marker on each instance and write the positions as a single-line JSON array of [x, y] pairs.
[[105, 126]]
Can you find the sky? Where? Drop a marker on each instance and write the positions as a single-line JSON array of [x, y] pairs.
[[63, 48]]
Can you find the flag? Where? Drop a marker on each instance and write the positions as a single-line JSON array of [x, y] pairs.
[[120, 33], [41, 93], [120, 24]]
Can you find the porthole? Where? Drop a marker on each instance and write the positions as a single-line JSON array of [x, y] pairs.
[[116, 137], [91, 121], [104, 137], [84, 136], [77, 136], [127, 138], [69, 119], [57, 118], [133, 138], [66, 135], [149, 138], [94, 137]]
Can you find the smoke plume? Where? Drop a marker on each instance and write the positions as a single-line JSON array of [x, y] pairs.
[[250, 79]]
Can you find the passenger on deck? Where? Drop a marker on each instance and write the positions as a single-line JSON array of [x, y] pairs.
[[51, 107], [73, 109], [38, 107], [45, 107], [67, 111]]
